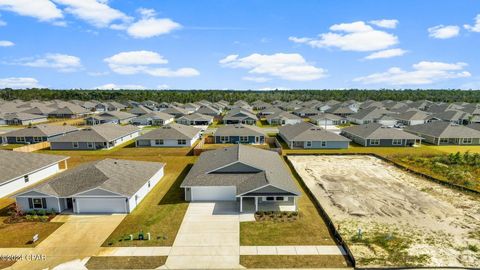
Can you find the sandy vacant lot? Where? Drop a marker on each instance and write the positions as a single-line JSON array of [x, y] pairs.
[[404, 219]]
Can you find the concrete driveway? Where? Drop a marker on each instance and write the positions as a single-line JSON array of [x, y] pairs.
[[209, 238], [80, 237]]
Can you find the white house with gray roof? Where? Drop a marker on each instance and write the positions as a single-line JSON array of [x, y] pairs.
[[241, 173], [195, 119], [239, 134], [445, 133], [308, 136], [20, 170], [36, 134], [172, 135], [154, 118], [283, 118], [375, 134], [105, 186]]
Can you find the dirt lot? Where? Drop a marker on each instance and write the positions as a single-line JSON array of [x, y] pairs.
[[404, 220]]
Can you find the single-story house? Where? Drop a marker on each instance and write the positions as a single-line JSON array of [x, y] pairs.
[[366, 116], [375, 134], [283, 118], [20, 170], [21, 118], [154, 118], [308, 136], [386, 120], [269, 111], [69, 111], [239, 116], [305, 112], [195, 119], [104, 136], [242, 173], [175, 111], [414, 117], [327, 119], [260, 105], [36, 134], [172, 135], [104, 186], [111, 117], [208, 110], [239, 134], [341, 110], [445, 133], [39, 110], [454, 116], [140, 110]]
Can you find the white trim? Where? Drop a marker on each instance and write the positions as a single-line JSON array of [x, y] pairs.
[[13, 179]]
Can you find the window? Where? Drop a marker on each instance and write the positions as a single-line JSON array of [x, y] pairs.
[[25, 177], [182, 142], [159, 142], [467, 141], [374, 142], [75, 145], [243, 139], [90, 144], [279, 198], [270, 199], [323, 144], [309, 144], [37, 139], [148, 183], [223, 139], [443, 140], [20, 139], [397, 142], [39, 203]]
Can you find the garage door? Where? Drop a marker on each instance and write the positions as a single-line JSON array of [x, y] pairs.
[[100, 205], [213, 193]]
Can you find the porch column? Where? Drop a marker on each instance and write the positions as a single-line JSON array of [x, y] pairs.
[[241, 204], [295, 203], [256, 204]]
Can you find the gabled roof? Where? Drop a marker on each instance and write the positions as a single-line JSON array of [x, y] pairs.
[[175, 110], [239, 113], [378, 131], [196, 117], [413, 115], [322, 116], [369, 114], [117, 115], [259, 168], [305, 131], [40, 131], [207, 109], [154, 115], [21, 116], [171, 132], [452, 115], [98, 133], [441, 129], [17, 164], [238, 130], [283, 115], [124, 177], [70, 109], [140, 110]]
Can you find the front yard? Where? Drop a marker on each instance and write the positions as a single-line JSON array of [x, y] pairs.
[[21, 234]]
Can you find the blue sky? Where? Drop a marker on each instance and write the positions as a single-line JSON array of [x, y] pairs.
[[230, 44]]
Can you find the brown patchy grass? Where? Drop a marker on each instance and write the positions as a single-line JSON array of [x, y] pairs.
[[21, 234], [126, 262], [293, 261]]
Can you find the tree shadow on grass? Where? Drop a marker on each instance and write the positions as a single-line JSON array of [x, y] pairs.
[[175, 194]]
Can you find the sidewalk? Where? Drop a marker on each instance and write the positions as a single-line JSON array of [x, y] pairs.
[[292, 250]]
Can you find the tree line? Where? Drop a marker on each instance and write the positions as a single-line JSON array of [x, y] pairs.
[[185, 96]]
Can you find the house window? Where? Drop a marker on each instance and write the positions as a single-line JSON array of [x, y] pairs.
[[323, 144], [270, 198], [443, 140], [39, 203], [148, 183], [243, 139], [159, 142], [182, 142], [20, 139], [279, 198], [37, 139], [75, 144], [90, 144], [467, 140], [397, 142], [26, 179], [223, 139], [374, 142], [309, 144]]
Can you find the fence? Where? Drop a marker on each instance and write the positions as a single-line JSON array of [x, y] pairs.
[[32, 147]]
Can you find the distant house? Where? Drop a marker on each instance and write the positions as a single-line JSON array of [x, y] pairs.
[[140, 110], [36, 134], [20, 170], [386, 120], [239, 134], [195, 119], [283, 118], [97, 137], [111, 117], [341, 110], [69, 111], [239, 116], [375, 134], [366, 116], [445, 133], [105, 186], [244, 174], [191, 107], [21, 118], [39, 110], [269, 111], [306, 135], [208, 110], [453, 116], [175, 111], [411, 118], [260, 105], [172, 135], [154, 118], [305, 112], [327, 119]]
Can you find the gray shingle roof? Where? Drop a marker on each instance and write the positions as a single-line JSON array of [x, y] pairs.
[[171, 132], [40, 131], [441, 129], [98, 133], [196, 117], [238, 130], [283, 115], [322, 116], [124, 177], [378, 131], [266, 167], [17, 164], [308, 132]]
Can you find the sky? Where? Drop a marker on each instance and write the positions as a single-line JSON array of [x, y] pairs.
[[240, 44]]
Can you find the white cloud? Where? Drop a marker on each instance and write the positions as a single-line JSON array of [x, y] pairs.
[[19, 83], [43, 10], [256, 79], [280, 65], [95, 12], [444, 31], [356, 36], [60, 62], [386, 54], [98, 74], [475, 27], [151, 27], [385, 23], [113, 86], [135, 62], [424, 72], [6, 43]]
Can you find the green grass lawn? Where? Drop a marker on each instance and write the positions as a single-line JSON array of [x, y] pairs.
[[21, 234], [293, 261], [126, 262], [10, 146]]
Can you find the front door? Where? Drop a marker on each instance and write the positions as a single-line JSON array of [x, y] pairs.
[[69, 203]]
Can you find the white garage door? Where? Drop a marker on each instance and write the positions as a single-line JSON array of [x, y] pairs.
[[213, 193], [100, 205]]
